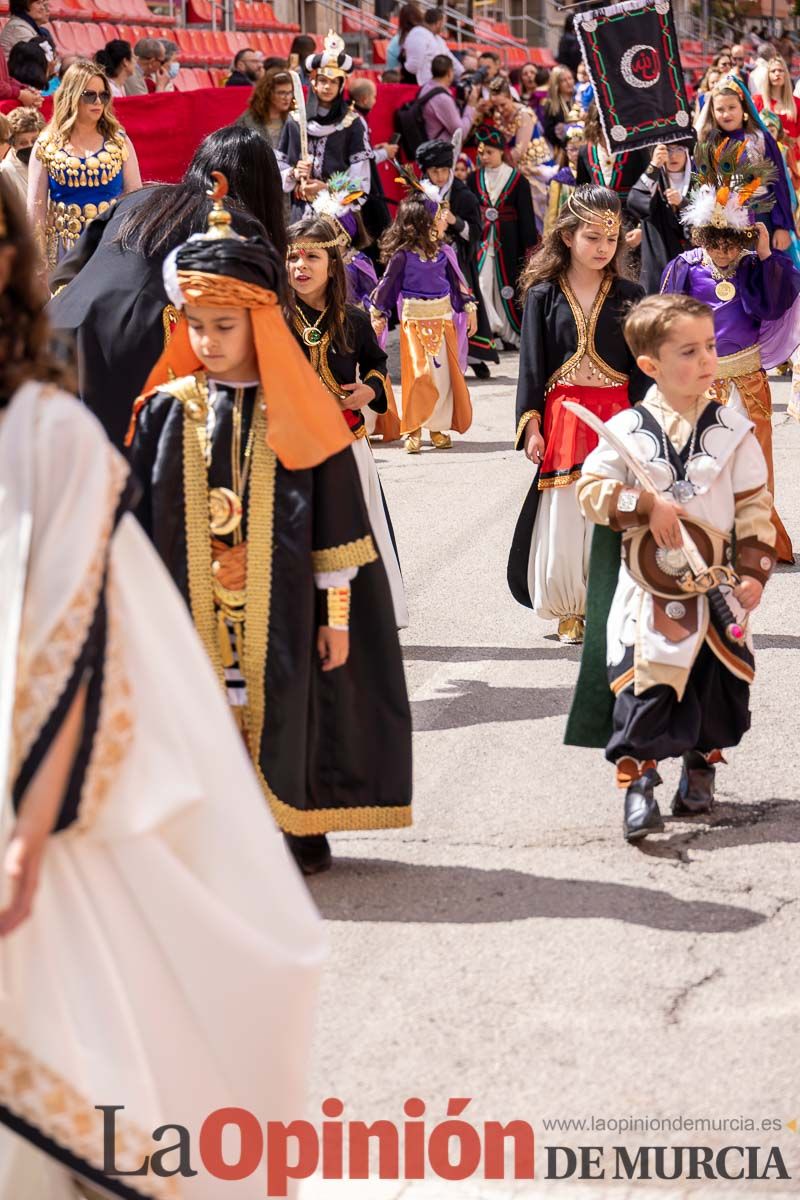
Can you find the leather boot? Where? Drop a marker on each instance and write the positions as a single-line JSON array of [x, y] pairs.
[[312, 854], [642, 814], [695, 792]]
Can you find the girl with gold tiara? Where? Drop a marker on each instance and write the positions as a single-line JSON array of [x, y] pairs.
[[572, 349], [252, 498], [338, 340], [140, 872], [423, 284]]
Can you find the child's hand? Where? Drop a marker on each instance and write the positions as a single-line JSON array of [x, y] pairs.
[[659, 156], [781, 240], [472, 323], [762, 245], [359, 395], [21, 865], [333, 647], [633, 237], [749, 592], [664, 524], [534, 443]]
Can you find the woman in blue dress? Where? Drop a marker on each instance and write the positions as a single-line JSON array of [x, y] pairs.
[[82, 162]]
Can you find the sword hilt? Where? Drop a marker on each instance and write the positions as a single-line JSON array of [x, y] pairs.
[[725, 619]]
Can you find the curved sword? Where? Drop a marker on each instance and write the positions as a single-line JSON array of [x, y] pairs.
[[302, 118], [704, 579]]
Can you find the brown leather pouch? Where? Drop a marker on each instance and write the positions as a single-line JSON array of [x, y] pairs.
[[675, 619]]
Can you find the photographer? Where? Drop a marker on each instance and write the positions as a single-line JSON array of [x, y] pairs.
[[441, 113]]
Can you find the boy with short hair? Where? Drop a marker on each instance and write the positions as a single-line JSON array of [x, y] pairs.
[[680, 682], [24, 125]]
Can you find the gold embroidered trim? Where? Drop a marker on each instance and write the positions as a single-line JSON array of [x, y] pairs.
[[318, 357], [585, 331], [532, 414], [304, 822], [743, 362], [351, 554], [260, 538], [374, 374], [622, 681], [192, 393], [40, 1096], [415, 309], [41, 681], [557, 481], [115, 727]]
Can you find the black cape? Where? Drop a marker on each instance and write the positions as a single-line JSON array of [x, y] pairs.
[[516, 234], [466, 208], [335, 747], [663, 235]]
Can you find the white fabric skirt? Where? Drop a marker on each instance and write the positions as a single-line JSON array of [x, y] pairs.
[[373, 498], [490, 291], [171, 960], [558, 566]]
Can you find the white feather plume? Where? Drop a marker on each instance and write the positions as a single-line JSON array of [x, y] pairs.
[[702, 209]]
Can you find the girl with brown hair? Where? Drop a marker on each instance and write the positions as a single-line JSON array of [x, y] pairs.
[[424, 285], [82, 162], [572, 349], [338, 340]]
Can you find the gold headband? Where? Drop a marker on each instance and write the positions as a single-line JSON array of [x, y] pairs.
[[222, 291], [337, 241], [606, 220]]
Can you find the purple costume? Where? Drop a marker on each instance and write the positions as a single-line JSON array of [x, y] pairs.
[[763, 311], [407, 276]]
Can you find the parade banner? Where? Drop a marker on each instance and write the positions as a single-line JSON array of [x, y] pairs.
[[632, 55]]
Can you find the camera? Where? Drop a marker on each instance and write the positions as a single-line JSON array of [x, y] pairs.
[[467, 82]]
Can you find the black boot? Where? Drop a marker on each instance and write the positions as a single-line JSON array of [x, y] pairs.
[[312, 854], [695, 792], [642, 814], [481, 370]]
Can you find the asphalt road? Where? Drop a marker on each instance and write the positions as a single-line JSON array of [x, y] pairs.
[[510, 947]]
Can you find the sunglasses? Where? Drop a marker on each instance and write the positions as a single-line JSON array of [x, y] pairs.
[[93, 97]]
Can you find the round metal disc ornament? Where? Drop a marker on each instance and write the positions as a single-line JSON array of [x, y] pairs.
[[683, 490], [725, 290], [312, 336], [224, 511]]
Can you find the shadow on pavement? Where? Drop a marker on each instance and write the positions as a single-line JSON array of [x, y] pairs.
[[495, 653], [360, 889], [728, 825], [473, 702]]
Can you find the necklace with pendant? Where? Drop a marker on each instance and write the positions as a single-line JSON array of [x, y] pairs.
[[725, 289], [312, 334], [226, 505], [682, 489]]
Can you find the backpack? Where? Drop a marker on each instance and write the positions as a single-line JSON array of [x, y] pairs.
[[410, 123]]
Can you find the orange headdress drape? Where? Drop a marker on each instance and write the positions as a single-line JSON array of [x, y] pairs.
[[304, 424]]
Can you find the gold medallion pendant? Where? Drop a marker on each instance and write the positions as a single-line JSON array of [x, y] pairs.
[[725, 290], [312, 336], [224, 511]]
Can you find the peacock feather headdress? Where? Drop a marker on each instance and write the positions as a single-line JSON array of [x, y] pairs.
[[730, 186]]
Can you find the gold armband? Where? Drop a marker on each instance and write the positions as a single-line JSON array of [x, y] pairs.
[[375, 314], [338, 602], [470, 306]]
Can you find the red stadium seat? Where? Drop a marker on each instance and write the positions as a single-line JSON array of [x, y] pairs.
[[379, 48]]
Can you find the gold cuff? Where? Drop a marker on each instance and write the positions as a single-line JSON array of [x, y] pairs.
[[470, 306], [375, 314], [373, 374], [351, 554], [338, 599], [532, 414]]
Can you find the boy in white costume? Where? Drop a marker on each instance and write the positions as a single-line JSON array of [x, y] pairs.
[[679, 675]]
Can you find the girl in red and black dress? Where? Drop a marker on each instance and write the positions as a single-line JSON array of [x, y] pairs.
[[572, 349]]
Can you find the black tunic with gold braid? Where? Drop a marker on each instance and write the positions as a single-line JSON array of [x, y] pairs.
[[331, 749]]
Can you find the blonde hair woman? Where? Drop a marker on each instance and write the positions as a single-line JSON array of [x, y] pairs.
[[559, 107], [82, 162], [771, 89], [707, 84]]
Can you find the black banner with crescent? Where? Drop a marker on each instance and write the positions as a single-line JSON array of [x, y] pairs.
[[632, 53]]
